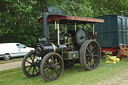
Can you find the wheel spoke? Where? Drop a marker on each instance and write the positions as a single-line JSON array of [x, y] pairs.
[[50, 74], [48, 62], [28, 61], [29, 69], [58, 68], [93, 50], [90, 47], [94, 64], [58, 63], [47, 70], [95, 56], [87, 59], [87, 54], [88, 50], [56, 71], [31, 58], [47, 66], [37, 61], [35, 69], [27, 66], [55, 60]]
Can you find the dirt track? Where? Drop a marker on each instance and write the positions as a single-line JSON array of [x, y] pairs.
[[7, 66]]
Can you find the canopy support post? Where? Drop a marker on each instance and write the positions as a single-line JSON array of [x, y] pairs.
[[75, 26], [55, 25], [66, 28], [58, 33], [93, 28]]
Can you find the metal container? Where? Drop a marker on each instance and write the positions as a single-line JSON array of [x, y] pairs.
[[113, 32]]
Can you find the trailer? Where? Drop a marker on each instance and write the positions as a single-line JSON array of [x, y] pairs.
[[76, 44], [112, 35]]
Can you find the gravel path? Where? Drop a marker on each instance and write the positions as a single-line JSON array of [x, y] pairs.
[[7, 66]]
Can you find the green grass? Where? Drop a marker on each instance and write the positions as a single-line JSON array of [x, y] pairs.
[[11, 60], [71, 76]]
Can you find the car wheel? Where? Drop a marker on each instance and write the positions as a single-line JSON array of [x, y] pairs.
[[7, 57]]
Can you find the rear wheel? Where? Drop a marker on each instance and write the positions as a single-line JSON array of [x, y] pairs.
[[51, 66], [90, 55], [7, 57], [31, 65]]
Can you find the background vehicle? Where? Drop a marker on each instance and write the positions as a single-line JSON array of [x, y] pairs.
[[113, 35], [9, 50], [75, 45]]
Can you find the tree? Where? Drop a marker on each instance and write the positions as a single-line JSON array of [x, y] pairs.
[[106, 7], [18, 21]]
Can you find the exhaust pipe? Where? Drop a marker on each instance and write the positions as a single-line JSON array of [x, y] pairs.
[[45, 23]]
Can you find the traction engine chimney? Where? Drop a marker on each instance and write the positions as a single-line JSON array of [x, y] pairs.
[[121, 13], [45, 23]]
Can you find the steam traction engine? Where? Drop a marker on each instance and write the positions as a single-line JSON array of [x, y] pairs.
[[59, 50]]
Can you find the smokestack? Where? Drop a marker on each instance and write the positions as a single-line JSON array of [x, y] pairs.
[[45, 22], [121, 13]]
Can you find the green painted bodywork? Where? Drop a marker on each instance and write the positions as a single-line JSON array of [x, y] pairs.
[[113, 32], [70, 55]]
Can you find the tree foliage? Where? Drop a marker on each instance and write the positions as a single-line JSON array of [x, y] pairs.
[[18, 21], [105, 7], [18, 18]]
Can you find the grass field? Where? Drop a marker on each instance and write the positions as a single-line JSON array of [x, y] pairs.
[[71, 76]]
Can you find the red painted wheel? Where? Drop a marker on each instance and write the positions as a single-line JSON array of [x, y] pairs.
[[120, 54]]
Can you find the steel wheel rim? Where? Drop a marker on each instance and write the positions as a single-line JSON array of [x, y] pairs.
[[92, 56], [31, 65], [52, 67]]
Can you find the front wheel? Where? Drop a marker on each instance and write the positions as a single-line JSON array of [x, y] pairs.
[[90, 55], [31, 65], [51, 66]]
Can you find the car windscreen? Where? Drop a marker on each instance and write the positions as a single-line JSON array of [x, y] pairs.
[[21, 46]]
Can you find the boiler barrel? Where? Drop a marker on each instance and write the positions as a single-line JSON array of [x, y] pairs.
[[43, 48]]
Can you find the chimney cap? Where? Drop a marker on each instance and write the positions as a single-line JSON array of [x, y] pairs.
[[121, 13]]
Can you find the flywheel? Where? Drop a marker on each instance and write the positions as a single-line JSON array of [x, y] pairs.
[[81, 36]]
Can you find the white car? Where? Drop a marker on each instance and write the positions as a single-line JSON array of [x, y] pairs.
[[9, 50]]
